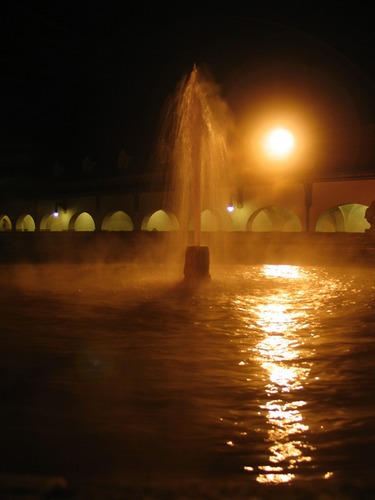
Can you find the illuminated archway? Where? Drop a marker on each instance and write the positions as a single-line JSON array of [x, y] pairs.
[[82, 221], [51, 223], [117, 221], [210, 221], [160, 221], [5, 223], [274, 219], [348, 218], [25, 223]]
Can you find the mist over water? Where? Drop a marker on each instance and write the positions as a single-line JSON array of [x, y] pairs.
[[116, 376]]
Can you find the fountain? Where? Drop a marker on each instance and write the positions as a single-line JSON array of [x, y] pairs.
[[193, 146]]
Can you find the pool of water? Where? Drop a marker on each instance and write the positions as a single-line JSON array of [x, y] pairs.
[[121, 379]]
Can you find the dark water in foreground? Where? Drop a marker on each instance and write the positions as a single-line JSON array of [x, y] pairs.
[[127, 385]]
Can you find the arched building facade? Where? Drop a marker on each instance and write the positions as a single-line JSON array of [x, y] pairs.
[[335, 205]]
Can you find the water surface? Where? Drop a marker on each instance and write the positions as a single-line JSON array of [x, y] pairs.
[[260, 382]]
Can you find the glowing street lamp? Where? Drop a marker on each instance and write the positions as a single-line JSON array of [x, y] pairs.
[[278, 143]]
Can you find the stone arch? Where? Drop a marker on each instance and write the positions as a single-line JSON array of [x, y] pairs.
[[210, 220], [82, 221], [5, 223], [25, 223], [161, 220], [117, 221], [51, 222], [349, 218], [274, 218]]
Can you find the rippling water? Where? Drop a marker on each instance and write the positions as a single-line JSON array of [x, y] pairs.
[[261, 382]]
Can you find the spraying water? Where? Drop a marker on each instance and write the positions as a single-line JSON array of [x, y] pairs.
[[193, 145]]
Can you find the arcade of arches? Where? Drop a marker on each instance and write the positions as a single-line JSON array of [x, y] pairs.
[[332, 207], [344, 218]]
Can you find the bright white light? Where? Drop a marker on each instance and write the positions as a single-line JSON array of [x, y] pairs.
[[55, 213], [279, 143], [230, 208]]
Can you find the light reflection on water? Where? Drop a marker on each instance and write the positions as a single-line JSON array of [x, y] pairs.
[[279, 324], [266, 374], [302, 323]]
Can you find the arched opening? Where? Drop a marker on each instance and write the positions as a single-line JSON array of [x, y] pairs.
[[5, 223], [82, 221], [25, 223], [117, 221], [160, 221], [274, 219], [348, 218], [210, 221], [51, 223], [355, 219]]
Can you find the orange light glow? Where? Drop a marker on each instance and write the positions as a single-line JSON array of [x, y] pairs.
[[279, 138], [278, 143]]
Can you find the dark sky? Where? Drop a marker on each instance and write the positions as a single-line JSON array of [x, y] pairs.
[[90, 77]]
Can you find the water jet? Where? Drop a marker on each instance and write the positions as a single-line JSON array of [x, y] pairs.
[[193, 146]]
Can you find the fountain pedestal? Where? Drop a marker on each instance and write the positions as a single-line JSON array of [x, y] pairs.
[[197, 263]]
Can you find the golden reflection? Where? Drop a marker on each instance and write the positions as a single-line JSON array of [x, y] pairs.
[[275, 478], [282, 271], [280, 321]]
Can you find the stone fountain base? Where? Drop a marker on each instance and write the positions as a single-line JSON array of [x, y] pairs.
[[197, 263]]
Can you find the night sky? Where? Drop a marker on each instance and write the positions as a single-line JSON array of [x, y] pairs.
[[90, 78]]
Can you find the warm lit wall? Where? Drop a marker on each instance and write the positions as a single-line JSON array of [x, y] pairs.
[[327, 195], [274, 197], [285, 195]]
